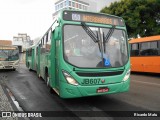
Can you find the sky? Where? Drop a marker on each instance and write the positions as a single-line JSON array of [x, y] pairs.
[[102, 3], [33, 17]]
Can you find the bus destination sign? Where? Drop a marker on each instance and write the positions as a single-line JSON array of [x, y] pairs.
[[92, 17]]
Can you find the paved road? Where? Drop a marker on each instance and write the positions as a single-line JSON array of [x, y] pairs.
[[32, 94]]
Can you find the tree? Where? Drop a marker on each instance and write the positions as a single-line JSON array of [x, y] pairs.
[[142, 17]]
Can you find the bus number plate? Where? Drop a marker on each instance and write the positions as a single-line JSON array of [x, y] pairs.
[[102, 90]]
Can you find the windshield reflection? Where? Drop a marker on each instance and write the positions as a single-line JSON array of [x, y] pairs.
[[80, 49], [9, 55]]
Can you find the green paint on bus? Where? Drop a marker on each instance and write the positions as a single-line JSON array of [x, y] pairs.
[[81, 55]]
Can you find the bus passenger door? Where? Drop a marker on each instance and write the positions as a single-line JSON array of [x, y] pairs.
[[27, 58], [32, 59], [38, 59], [54, 56], [52, 69], [57, 63]]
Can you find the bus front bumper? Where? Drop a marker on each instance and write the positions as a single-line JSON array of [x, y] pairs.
[[70, 91], [9, 67], [9, 64]]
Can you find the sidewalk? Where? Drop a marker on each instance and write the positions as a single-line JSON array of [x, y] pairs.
[[5, 103]]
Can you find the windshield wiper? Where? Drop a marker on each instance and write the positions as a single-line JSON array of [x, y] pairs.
[[5, 52], [90, 32], [106, 38], [11, 52], [110, 32], [94, 37]]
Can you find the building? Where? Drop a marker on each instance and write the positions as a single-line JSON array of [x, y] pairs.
[[86, 5], [5, 42], [75, 5], [23, 41]]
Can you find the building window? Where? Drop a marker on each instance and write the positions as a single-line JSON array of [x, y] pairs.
[[61, 6], [85, 7], [76, 5], [56, 7], [80, 6], [65, 3], [69, 3], [73, 4]]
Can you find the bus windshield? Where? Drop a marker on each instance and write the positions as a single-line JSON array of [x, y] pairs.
[[9, 54], [82, 51]]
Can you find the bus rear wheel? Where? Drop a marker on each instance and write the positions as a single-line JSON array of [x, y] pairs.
[[47, 80]]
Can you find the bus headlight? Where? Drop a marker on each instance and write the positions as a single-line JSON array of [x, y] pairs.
[[127, 75], [69, 78]]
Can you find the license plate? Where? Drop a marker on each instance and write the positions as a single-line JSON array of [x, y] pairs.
[[102, 90]]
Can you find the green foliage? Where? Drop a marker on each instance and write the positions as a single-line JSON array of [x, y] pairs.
[[141, 16]]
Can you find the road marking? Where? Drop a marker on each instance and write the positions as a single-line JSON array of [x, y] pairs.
[[16, 103], [156, 84]]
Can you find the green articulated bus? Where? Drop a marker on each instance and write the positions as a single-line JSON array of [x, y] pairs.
[[83, 54]]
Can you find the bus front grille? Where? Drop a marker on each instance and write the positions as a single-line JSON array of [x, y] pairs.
[[8, 67], [87, 74]]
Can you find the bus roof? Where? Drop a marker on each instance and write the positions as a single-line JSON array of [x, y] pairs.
[[145, 39]]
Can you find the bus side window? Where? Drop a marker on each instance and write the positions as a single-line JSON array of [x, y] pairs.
[[154, 48], [159, 47], [42, 46], [48, 41], [29, 52], [135, 49], [149, 48], [37, 50]]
